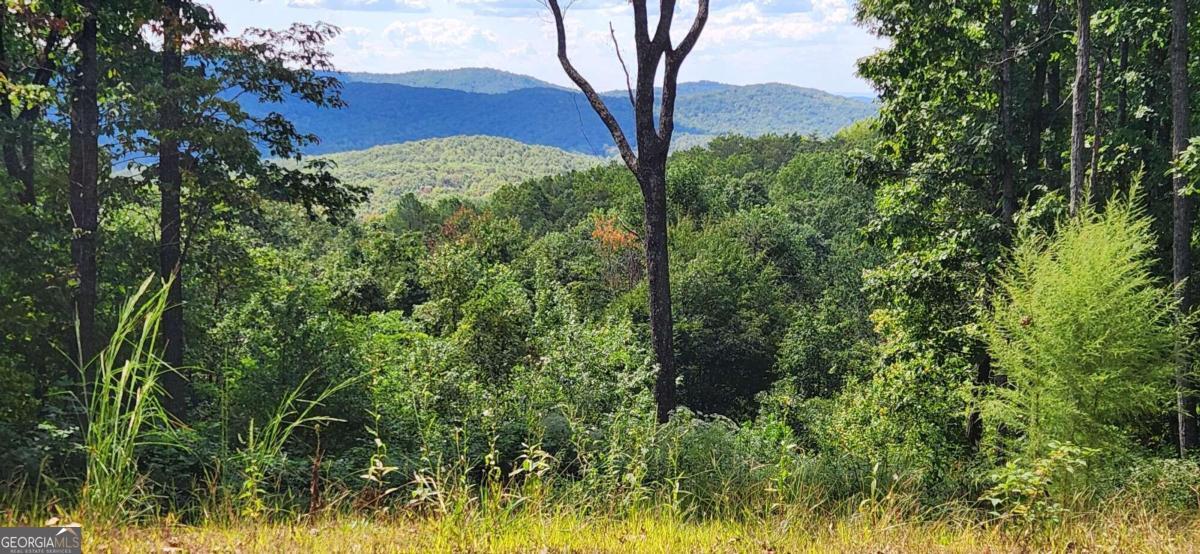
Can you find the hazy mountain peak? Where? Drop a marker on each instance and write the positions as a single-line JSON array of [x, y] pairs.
[[467, 79]]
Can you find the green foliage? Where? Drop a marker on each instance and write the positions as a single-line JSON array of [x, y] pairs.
[[466, 165], [1031, 492], [908, 416], [1164, 483], [263, 443], [123, 410], [755, 110], [1083, 333]]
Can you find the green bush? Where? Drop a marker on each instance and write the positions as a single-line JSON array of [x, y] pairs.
[[1083, 335], [1164, 483]]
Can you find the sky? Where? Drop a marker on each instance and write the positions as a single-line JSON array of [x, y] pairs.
[[811, 43]]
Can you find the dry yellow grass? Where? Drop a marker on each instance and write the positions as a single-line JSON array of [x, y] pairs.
[[1113, 532]]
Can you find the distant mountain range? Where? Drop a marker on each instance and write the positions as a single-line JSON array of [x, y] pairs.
[[395, 108], [467, 79], [466, 165]]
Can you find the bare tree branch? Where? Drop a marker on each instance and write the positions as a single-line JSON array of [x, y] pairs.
[[675, 57], [662, 35], [617, 46], [593, 97], [689, 41]]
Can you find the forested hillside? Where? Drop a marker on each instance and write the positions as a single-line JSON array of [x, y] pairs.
[[966, 324], [379, 111], [468, 79], [470, 166], [755, 110], [520, 305]]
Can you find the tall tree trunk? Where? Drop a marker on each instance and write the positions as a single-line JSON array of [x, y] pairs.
[[1122, 88], [1008, 198], [1054, 162], [8, 134], [84, 199], [1036, 107], [1181, 236], [649, 162], [1008, 194], [1097, 131], [170, 185], [653, 181], [1083, 49], [28, 192]]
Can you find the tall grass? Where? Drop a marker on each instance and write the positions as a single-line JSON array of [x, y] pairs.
[[262, 445], [123, 410]]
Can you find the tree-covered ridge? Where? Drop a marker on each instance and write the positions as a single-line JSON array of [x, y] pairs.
[[470, 165], [386, 113], [755, 110], [467, 79]]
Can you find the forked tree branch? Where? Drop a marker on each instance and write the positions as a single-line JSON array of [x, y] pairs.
[[675, 57], [662, 35], [689, 41], [593, 97]]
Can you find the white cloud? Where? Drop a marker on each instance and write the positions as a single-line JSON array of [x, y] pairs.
[[767, 6], [351, 37], [524, 8], [438, 34], [748, 23], [503, 8], [834, 11], [411, 6], [804, 42]]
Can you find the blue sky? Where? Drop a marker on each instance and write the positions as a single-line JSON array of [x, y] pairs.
[[810, 43]]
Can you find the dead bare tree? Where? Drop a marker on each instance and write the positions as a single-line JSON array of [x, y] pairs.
[[649, 162]]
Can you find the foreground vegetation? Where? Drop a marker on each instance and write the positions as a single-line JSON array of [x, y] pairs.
[[904, 336], [569, 532]]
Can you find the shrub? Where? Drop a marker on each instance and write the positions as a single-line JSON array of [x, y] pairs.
[[1165, 483], [1083, 334], [1030, 492]]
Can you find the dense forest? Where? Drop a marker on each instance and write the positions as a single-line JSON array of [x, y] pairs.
[[963, 324], [464, 165]]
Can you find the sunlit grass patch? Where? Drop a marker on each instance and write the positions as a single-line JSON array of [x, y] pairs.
[[1131, 531]]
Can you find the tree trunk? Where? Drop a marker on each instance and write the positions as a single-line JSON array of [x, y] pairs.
[[170, 185], [652, 178], [649, 163], [1122, 88], [1054, 162], [1008, 194], [1181, 239], [1083, 49], [28, 192], [1097, 132], [84, 199], [1036, 108]]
